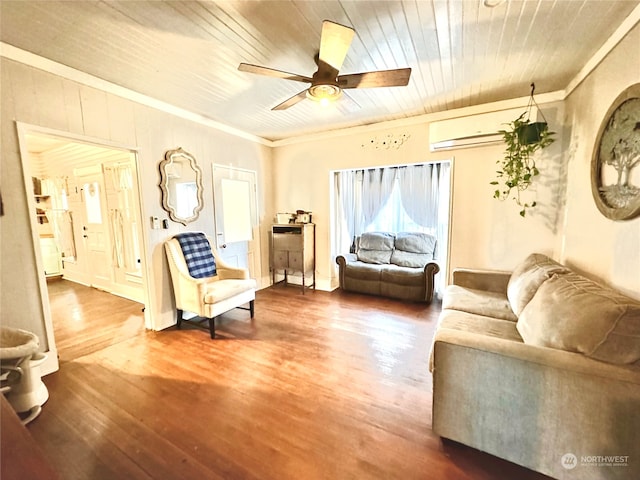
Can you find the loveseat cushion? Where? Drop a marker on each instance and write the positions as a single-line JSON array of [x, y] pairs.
[[376, 247], [570, 312], [402, 275], [413, 249], [363, 271], [479, 302], [527, 278], [361, 277]]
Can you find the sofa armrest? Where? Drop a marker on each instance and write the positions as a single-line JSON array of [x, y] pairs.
[[346, 258], [488, 280], [343, 261], [233, 273], [430, 270]]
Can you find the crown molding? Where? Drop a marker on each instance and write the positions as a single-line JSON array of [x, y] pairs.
[[36, 61]]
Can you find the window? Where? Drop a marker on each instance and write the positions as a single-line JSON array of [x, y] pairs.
[[410, 198], [394, 218], [92, 202]]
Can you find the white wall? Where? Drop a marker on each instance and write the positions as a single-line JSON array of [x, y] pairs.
[[485, 232], [598, 246], [35, 97]]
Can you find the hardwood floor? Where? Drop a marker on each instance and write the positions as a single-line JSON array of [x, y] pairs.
[[320, 386], [86, 320]]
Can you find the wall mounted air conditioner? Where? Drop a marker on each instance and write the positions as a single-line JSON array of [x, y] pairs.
[[472, 130]]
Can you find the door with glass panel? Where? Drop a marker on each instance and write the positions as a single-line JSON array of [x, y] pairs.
[[95, 232]]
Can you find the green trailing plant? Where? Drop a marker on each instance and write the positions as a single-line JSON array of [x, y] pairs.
[[517, 168]]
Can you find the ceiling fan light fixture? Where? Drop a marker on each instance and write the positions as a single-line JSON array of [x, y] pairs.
[[326, 83], [324, 93]]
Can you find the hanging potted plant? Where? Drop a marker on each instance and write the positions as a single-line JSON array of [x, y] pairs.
[[518, 167]]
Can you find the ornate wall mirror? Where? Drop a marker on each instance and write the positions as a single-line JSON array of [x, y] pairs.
[[181, 185]]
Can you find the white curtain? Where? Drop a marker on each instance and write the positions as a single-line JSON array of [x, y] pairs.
[[377, 186], [419, 188], [59, 215], [442, 228], [346, 189]]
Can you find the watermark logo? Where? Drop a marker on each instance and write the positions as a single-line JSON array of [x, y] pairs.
[[569, 461]]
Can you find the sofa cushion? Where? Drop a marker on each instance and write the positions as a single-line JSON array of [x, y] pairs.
[[377, 241], [410, 259], [480, 324], [376, 247], [479, 302], [527, 278], [415, 242], [413, 249], [476, 324], [570, 312], [402, 275], [362, 277], [363, 271]]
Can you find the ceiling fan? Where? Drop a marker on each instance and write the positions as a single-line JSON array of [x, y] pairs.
[[326, 84]]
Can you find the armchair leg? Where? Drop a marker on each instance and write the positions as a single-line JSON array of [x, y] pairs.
[[212, 327], [179, 318], [252, 307]]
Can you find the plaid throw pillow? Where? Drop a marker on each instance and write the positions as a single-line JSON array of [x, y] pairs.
[[197, 253]]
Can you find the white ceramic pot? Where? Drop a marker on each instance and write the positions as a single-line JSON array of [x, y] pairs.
[[30, 392]]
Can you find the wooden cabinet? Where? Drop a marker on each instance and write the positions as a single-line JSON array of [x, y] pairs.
[[293, 251]]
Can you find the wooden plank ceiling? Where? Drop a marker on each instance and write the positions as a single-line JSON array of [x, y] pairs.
[[186, 53]]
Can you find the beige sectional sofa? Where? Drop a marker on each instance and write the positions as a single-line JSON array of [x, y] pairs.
[[540, 366], [397, 265]]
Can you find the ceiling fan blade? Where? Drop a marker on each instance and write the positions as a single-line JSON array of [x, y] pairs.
[[381, 78], [289, 102], [272, 72], [335, 41]]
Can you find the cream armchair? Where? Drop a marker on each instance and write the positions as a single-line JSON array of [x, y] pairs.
[[213, 293]]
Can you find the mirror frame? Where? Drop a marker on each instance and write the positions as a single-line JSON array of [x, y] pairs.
[[169, 157]]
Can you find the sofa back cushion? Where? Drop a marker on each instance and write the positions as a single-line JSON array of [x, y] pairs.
[[413, 249], [376, 247], [570, 312], [527, 278]]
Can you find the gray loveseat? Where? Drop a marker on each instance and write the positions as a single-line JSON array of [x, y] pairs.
[[392, 265], [540, 366]]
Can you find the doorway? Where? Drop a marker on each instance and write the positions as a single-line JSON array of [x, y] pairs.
[[87, 199], [236, 217]]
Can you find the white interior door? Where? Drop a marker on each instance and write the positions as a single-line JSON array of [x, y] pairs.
[[235, 206], [95, 232]]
